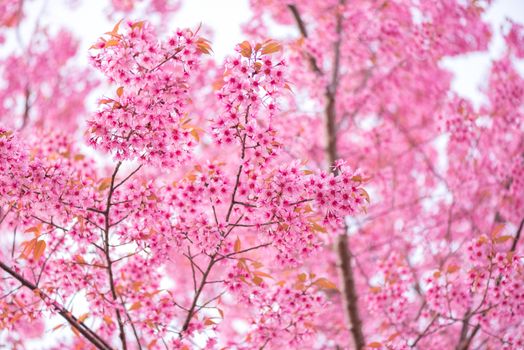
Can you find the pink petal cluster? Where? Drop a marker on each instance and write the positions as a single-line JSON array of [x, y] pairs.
[[146, 120]]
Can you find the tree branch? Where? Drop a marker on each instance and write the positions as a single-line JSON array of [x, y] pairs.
[[85, 331], [107, 227], [350, 293], [517, 236], [344, 253]]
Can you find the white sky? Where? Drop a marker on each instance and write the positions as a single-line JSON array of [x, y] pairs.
[[89, 21]]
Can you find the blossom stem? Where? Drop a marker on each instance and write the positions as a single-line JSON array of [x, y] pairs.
[[85, 331]]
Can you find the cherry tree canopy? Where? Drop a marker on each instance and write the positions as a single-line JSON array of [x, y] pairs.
[[323, 187]]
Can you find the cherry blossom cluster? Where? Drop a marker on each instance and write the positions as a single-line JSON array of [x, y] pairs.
[[147, 119], [36, 176], [282, 310], [489, 292], [458, 16], [303, 203], [515, 39], [160, 6], [391, 296], [252, 82], [290, 204], [191, 198], [507, 93], [40, 88], [234, 243], [19, 315], [10, 12], [460, 121]]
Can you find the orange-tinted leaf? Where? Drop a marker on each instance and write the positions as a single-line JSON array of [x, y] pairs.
[[104, 184], [325, 283], [359, 178], [510, 255], [302, 277], [152, 343], [83, 317], [502, 239], [309, 325], [99, 45], [139, 25], [191, 177], [256, 264], [497, 229], [107, 319], [114, 32], [112, 42], [245, 49], [57, 327], [242, 264], [453, 268], [308, 208], [217, 84], [120, 91], [209, 322], [194, 133], [262, 274], [104, 101], [375, 345], [375, 289], [29, 246], [204, 46], [152, 197], [364, 194], [39, 249], [393, 336], [6, 133], [299, 286], [136, 286], [318, 228], [136, 305], [271, 47], [35, 229], [258, 66], [237, 245]]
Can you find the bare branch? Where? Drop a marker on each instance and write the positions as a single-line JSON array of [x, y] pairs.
[[85, 331]]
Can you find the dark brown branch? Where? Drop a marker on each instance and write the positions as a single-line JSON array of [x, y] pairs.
[[106, 213], [191, 311], [27, 107], [424, 333], [465, 339], [302, 27], [350, 293], [85, 331], [244, 251], [127, 177], [517, 236], [237, 181], [135, 333], [344, 253]]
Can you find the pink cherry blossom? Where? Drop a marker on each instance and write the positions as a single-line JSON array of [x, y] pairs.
[[322, 187]]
